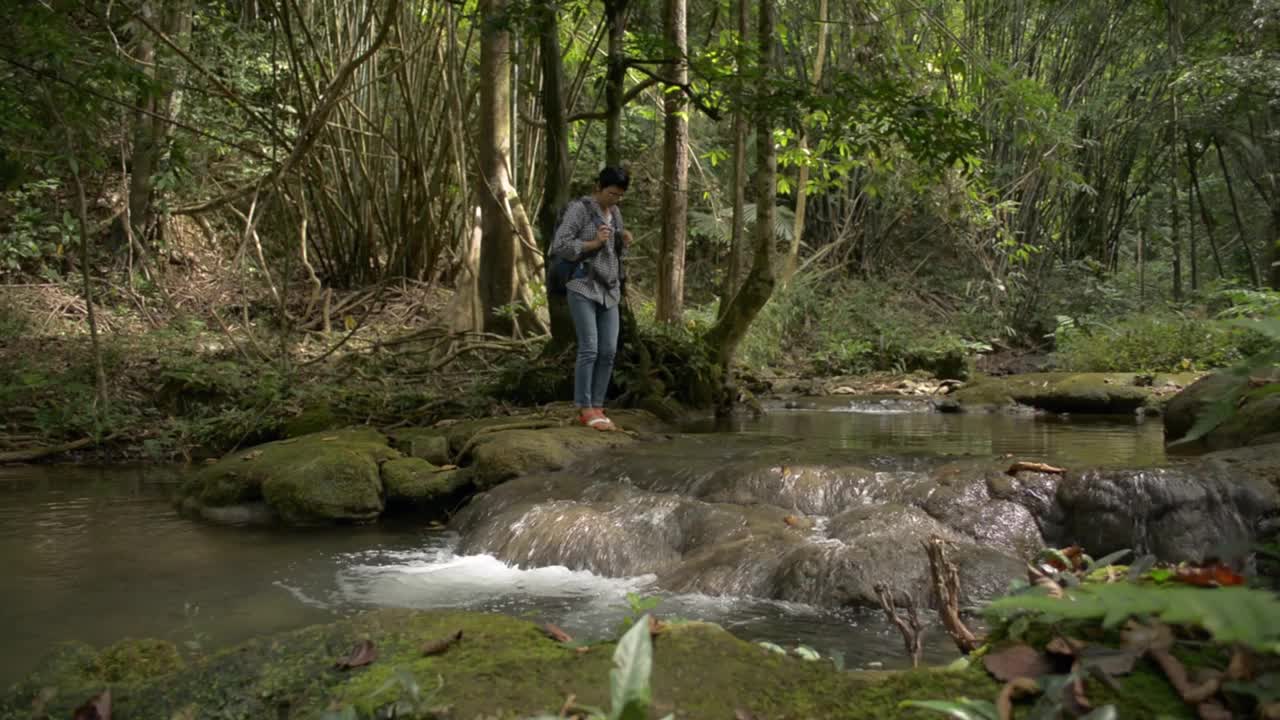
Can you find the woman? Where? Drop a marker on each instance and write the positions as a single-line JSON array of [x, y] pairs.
[[592, 237]]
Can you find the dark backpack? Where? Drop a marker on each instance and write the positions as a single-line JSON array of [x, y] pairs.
[[559, 270]]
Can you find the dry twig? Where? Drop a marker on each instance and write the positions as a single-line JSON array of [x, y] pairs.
[[910, 627], [946, 587]]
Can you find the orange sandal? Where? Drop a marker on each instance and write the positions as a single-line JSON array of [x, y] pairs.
[[595, 418]]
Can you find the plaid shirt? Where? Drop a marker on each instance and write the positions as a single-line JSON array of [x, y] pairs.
[[604, 267]]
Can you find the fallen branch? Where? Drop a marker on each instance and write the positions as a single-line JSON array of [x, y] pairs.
[[910, 628], [37, 453], [946, 587], [1022, 466]]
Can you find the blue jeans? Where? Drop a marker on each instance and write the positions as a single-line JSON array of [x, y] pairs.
[[597, 329]]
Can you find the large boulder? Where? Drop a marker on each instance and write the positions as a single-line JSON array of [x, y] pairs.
[[1063, 392], [1254, 419], [414, 483], [313, 479], [1190, 511]]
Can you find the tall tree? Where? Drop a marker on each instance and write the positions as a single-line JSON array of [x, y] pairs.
[[729, 330], [737, 235], [501, 251], [802, 179], [675, 166], [160, 23], [556, 152]]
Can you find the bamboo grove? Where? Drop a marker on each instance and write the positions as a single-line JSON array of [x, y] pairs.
[[995, 148]]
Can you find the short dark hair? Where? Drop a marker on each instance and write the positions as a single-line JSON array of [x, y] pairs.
[[614, 177]]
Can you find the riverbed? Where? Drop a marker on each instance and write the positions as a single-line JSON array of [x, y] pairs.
[[98, 554]]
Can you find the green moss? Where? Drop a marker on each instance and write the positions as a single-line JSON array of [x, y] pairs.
[[426, 443], [1144, 694], [1091, 393], [314, 419], [502, 667], [500, 456], [314, 478], [415, 482], [134, 660]]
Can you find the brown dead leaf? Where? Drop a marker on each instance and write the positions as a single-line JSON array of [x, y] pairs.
[[557, 634], [1064, 646], [1213, 575], [1024, 466], [444, 468], [743, 714], [1242, 666], [435, 647], [1014, 689], [582, 649], [1016, 661], [1138, 638], [796, 521], [97, 707], [656, 626], [251, 455], [1213, 711], [1112, 662], [363, 653]]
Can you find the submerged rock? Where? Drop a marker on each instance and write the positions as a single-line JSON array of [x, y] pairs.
[[500, 668]]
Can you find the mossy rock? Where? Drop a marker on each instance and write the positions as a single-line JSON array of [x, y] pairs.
[[314, 419], [136, 660], [499, 456], [505, 668], [313, 479], [501, 668], [427, 443], [412, 482], [1083, 393], [1256, 419]]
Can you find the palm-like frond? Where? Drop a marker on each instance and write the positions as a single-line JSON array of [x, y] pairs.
[[718, 226]]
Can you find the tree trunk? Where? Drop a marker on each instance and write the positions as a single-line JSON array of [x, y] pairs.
[[737, 241], [500, 251], [1207, 217], [151, 132], [1235, 213], [555, 194], [797, 227], [615, 78], [675, 169], [758, 286], [1175, 212]]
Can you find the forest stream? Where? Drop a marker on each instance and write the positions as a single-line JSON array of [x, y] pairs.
[[98, 554]]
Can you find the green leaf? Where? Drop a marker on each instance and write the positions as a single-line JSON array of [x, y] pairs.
[[960, 709], [629, 679], [1241, 615]]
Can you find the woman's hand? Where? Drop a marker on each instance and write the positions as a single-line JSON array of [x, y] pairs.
[[602, 236]]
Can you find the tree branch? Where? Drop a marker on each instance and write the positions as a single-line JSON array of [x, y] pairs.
[[626, 98], [311, 129], [694, 97]]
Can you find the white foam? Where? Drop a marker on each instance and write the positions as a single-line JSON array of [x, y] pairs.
[[435, 579]]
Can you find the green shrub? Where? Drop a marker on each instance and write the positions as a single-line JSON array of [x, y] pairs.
[[856, 327], [1153, 343]]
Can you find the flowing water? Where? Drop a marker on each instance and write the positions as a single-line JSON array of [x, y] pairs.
[[97, 554]]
